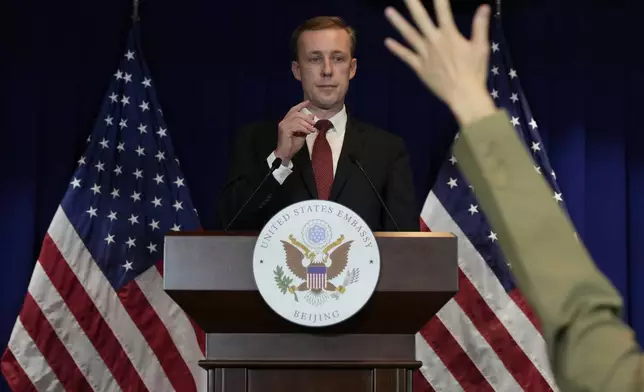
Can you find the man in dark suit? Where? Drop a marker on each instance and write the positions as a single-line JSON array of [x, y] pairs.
[[337, 145]]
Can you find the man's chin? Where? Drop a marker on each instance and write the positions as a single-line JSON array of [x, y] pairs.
[[327, 104]]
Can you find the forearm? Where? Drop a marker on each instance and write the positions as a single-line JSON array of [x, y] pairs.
[[518, 203], [577, 306]]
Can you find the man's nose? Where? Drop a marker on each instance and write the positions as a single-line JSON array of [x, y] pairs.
[[327, 69]]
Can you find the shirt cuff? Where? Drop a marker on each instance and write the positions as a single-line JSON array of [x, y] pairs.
[[282, 171]]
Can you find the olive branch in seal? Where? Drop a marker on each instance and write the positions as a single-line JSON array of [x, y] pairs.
[[283, 282]]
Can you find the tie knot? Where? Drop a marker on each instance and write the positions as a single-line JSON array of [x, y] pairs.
[[323, 125]]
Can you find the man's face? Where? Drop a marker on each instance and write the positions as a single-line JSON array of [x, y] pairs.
[[325, 66]]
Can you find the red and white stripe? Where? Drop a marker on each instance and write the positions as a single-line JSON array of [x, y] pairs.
[[483, 339], [316, 281], [75, 332]]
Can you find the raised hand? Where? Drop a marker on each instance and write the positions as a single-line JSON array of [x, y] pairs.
[[451, 66], [292, 131]]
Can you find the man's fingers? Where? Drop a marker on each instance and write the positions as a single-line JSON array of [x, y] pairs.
[[444, 15], [301, 125], [421, 17], [306, 117], [409, 33], [298, 107], [403, 53], [480, 26], [309, 126]]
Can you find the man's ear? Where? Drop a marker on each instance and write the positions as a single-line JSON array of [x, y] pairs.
[[295, 68], [353, 67]]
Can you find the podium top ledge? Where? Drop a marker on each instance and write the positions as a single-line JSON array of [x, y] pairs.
[[391, 234]]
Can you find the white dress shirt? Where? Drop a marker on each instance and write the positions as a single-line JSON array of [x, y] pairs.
[[335, 137]]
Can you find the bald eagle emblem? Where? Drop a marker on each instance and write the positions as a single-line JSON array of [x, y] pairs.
[[316, 264]]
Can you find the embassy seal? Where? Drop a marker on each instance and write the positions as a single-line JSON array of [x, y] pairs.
[[316, 263]]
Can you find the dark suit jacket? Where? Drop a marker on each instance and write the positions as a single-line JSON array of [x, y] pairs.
[[590, 347], [382, 155]]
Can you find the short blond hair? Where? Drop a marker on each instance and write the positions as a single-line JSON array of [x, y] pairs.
[[322, 23]]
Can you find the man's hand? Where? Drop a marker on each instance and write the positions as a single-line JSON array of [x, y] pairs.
[[454, 68], [292, 131]]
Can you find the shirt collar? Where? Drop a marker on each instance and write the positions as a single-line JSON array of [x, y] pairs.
[[339, 120]]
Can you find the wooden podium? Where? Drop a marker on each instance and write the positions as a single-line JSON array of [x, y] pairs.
[[250, 348]]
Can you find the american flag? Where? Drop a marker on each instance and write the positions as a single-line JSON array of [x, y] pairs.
[[486, 338], [95, 316]]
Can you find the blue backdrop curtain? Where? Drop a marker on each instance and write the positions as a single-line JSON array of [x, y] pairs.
[[218, 65]]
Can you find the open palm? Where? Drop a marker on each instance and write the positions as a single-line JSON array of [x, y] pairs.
[[444, 60]]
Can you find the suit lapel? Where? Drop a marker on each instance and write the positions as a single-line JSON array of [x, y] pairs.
[[302, 161], [352, 145]]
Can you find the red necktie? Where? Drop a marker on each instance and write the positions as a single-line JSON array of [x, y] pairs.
[[322, 160]]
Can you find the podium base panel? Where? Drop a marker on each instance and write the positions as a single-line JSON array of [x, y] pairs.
[[319, 378], [312, 363]]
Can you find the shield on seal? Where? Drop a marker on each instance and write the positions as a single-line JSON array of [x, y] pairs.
[[316, 276]]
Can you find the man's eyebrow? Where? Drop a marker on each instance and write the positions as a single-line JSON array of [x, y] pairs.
[[320, 52]]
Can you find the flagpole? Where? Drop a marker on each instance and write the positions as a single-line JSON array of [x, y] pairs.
[[135, 11]]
